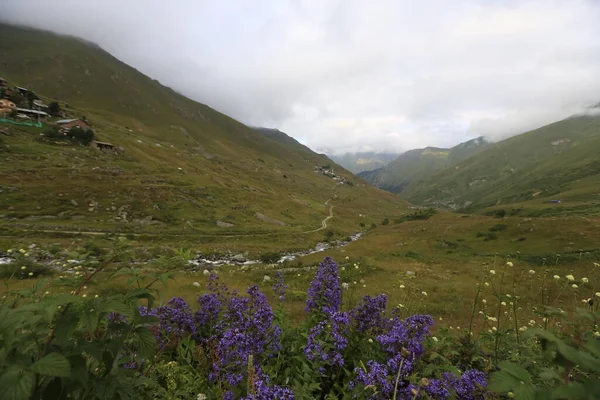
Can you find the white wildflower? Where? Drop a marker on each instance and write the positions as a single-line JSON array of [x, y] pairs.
[[434, 338], [503, 303], [370, 340], [345, 285], [571, 278], [484, 301], [487, 284], [574, 286], [510, 264], [556, 277], [23, 267], [201, 396], [401, 286], [206, 272], [523, 328], [531, 272], [584, 280], [424, 293], [492, 272], [494, 328], [196, 284]]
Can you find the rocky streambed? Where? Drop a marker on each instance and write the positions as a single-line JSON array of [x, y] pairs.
[[240, 259]]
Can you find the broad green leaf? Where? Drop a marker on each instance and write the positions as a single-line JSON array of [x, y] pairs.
[[65, 326], [79, 370], [146, 342], [16, 384], [116, 306], [53, 364]]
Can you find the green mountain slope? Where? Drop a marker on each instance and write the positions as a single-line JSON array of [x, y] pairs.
[[556, 162], [363, 161], [185, 167], [414, 165]]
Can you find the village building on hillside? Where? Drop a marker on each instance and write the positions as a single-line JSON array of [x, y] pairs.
[[3, 82], [6, 106], [32, 113], [66, 124], [39, 105], [22, 90], [102, 145]]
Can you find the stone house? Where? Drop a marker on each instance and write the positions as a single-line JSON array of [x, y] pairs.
[[66, 124]]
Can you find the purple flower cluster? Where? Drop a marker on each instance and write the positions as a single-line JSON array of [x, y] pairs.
[[327, 339], [260, 389], [324, 294], [368, 315], [376, 378], [175, 321], [279, 287], [470, 386], [245, 329], [406, 333]]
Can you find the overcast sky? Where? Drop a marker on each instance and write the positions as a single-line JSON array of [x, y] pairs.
[[350, 75]]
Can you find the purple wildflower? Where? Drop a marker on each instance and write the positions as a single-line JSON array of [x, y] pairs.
[[246, 328], [279, 287], [368, 314], [470, 386], [175, 321], [327, 339], [375, 378], [260, 389], [325, 293]]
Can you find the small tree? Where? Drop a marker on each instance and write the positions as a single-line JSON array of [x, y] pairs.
[[54, 109], [81, 135], [53, 133]]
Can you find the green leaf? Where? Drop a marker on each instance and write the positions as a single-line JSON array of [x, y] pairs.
[[146, 342], [53, 364], [16, 384], [64, 328], [79, 370], [116, 306], [510, 376]]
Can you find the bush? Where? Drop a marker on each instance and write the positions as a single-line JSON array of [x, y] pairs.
[[497, 228], [385, 221], [31, 270], [490, 236], [417, 215], [80, 135], [54, 109], [53, 133]]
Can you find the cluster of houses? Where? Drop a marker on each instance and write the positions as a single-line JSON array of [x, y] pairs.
[[39, 111], [328, 171]]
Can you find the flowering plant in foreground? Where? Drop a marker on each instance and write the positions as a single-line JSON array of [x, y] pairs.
[[230, 345]]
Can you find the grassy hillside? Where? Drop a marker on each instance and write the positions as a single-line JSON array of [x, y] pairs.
[[185, 169], [363, 161], [414, 165], [525, 173]]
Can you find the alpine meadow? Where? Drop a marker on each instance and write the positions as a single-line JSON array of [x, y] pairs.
[[152, 247]]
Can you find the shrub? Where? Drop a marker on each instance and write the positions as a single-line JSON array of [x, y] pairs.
[[385, 221], [80, 135], [498, 228]]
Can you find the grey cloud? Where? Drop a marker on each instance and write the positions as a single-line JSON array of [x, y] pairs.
[[354, 75]]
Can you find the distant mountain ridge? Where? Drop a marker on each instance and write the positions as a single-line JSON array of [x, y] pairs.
[[555, 164], [363, 161], [414, 165]]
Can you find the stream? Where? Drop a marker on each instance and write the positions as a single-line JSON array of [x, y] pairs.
[[240, 259]]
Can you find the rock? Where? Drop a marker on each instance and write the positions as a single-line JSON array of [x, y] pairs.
[[32, 246], [196, 284], [206, 272], [410, 273], [224, 224], [74, 203], [266, 278], [270, 220], [239, 258]]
